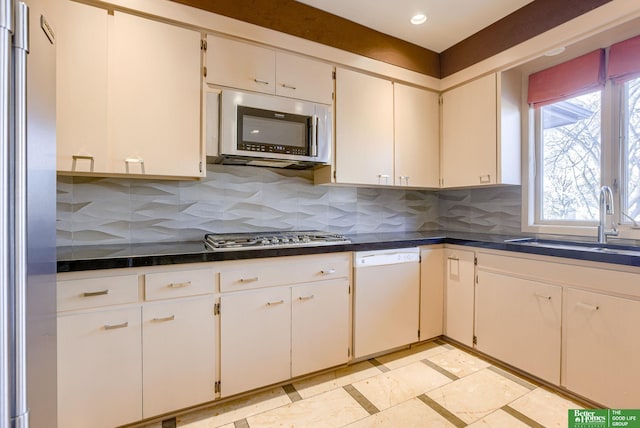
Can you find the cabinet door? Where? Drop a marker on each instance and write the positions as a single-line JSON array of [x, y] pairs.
[[517, 319], [386, 308], [179, 355], [255, 339], [319, 325], [459, 295], [601, 348], [81, 88], [155, 105], [469, 134], [431, 292], [99, 369], [364, 129], [304, 78], [240, 65], [417, 137]]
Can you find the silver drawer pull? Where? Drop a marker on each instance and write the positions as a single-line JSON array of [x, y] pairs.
[[453, 258], [179, 284], [116, 326], [328, 271], [76, 158], [284, 85], [254, 279], [95, 293], [140, 161], [169, 318], [306, 297], [542, 296], [262, 82], [279, 302], [588, 307]]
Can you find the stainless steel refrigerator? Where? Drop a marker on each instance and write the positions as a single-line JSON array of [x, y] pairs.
[[27, 215]]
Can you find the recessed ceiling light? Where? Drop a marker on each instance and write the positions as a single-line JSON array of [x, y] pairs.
[[419, 18], [556, 51]]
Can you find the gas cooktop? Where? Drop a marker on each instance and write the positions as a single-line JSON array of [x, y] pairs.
[[266, 240]]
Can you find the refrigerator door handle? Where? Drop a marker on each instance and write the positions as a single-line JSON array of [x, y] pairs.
[[6, 29], [20, 408]]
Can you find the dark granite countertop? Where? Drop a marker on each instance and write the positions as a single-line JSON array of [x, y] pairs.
[[82, 258]]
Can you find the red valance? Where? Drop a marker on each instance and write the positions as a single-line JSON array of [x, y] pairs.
[[567, 80], [624, 60]]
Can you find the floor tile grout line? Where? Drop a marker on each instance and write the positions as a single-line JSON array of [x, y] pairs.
[[522, 417], [291, 391], [361, 399], [442, 411], [512, 377], [377, 364], [440, 369]]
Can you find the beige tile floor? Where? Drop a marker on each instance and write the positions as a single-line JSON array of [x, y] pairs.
[[430, 385]]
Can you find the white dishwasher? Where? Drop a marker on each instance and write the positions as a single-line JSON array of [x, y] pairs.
[[386, 300]]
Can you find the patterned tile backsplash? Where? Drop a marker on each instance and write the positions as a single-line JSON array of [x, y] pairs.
[[93, 211]]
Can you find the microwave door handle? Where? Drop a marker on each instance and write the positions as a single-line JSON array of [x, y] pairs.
[[314, 136]]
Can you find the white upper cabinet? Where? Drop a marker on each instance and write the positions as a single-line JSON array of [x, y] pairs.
[[416, 128], [241, 65], [481, 132], [81, 86], [155, 102], [304, 78], [364, 129], [128, 95]]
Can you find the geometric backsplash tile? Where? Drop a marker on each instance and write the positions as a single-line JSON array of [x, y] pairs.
[[93, 211]]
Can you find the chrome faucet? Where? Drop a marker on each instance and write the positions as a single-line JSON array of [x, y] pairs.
[[606, 208]]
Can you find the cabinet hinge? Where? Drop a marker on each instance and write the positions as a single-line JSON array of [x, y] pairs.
[[475, 340], [349, 289], [203, 44], [335, 175], [418, 333], [216, 309], [201, 167], [348, 352], [475, 260], [216, 387], [204, 71], [476, 279], [333, 74], [440, 100]]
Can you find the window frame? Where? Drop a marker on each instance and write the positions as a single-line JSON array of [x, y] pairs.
[[611, 169]]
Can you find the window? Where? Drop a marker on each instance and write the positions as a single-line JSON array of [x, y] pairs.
[[570, 152], [586, 121], [631, 149]]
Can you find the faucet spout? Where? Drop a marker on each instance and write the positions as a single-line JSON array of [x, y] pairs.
[[606, 208]]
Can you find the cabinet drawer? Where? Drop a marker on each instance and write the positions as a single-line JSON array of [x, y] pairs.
[[95, 292], [282, 271], [168, 285]]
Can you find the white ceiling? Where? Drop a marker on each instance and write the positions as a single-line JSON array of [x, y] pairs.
[[448, 21]]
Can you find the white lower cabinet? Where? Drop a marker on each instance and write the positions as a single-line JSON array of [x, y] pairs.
[[272, 334], [255, 339], [99, 368], [178, 351], [431, 292], [459, 295], [602, 348], [319, 326], [518, 321]]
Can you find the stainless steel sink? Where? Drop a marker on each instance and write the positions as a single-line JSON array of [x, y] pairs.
[[577, 246]]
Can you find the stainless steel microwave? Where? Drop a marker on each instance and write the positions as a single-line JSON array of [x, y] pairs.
[[265, 130]]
